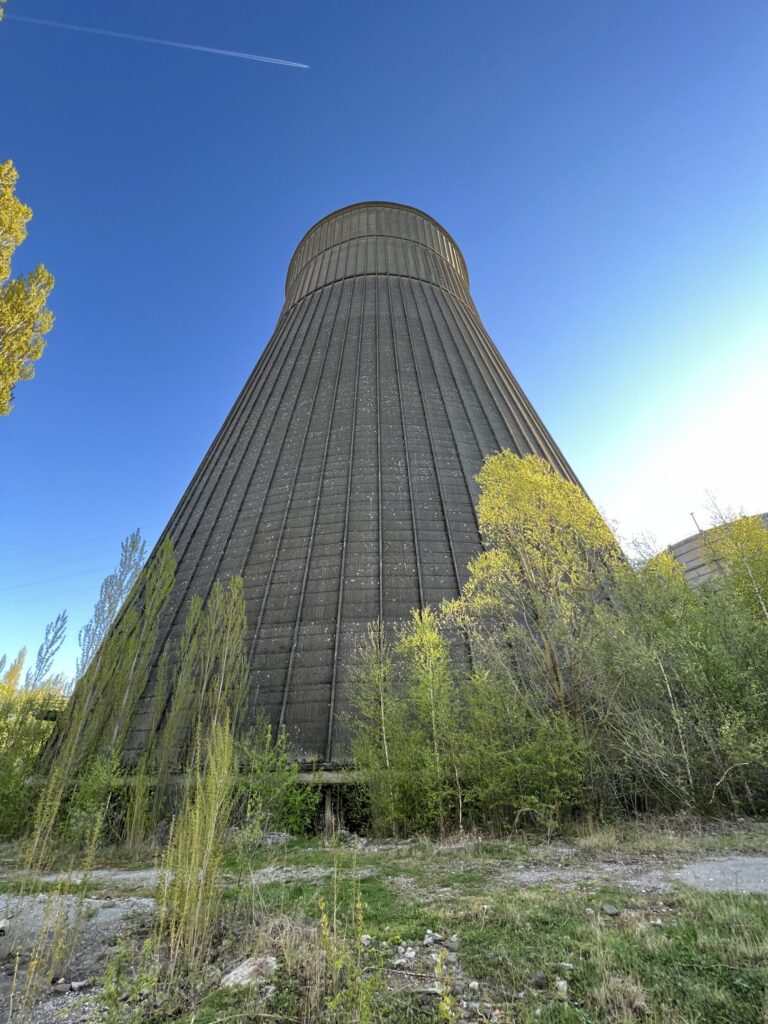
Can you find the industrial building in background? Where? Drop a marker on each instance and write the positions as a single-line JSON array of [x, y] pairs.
[[341, 485], [697, 557]]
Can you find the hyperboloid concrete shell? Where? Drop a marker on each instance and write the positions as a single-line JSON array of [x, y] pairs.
[[341, 485]]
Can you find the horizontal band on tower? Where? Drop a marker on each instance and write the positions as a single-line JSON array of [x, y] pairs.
[[376, 220]]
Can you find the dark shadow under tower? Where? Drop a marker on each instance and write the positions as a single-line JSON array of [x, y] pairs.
[[341, 485]]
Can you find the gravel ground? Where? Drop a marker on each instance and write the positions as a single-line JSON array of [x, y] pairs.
[[103, 918], [29, 922]]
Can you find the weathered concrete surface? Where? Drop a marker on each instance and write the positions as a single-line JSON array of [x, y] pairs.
[[726, 874]]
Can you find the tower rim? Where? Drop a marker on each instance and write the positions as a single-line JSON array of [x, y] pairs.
[[375, 203]]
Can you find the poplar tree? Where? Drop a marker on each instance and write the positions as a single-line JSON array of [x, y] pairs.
[[24, 315]]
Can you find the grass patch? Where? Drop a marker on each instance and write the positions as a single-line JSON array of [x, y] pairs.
[[690, 837], [706, 962], [681, 957]]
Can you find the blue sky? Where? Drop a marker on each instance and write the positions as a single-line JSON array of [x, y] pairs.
[[603, 166]]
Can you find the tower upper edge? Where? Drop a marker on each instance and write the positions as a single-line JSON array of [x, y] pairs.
[[372, 204]]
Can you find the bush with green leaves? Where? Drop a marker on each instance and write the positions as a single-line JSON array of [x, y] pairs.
[[595, 687], [96, 792], [272, 797], [29, 704]]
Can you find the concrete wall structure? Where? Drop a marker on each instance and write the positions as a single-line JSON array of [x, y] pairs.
[[341, 485], [697, 562]]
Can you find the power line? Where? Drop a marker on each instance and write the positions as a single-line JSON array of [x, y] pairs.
[[54, 579]]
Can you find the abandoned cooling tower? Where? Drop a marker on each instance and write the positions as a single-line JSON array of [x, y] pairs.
[[341, 485]]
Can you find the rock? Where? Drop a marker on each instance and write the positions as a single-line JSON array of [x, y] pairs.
[[4, 925], [658, 923], [453, 943], [561, 987], [79, 986], [565, 966], [410, 953], [436, 936], [428, 941], [400, 962], [366, 940], [457, 988], [589, 912], [451, 959], [250, 972], [430, 992], [61, 985], [474, 986], [539, 980], [610, 910]]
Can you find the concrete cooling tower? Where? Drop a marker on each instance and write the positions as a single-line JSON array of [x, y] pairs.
[[341, 485]]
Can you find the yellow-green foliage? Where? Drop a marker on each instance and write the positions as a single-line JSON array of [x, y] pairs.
[[24, 316], [740, 549], [434, 713], [406, 735], [375, 726], [211, 676], [270, 796], [25, 726], [208, 682], [89, 802], [95, 722], [188, 897], [546, 526], [519, 761], [531, 596], [101, 709], [591, 686], [353, 988], [683, 674]]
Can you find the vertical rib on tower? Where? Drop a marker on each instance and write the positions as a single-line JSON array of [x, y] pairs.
[[341, 485]]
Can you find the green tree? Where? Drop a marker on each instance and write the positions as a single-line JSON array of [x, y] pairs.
[[270, 794], [682, 680], [520, 761], [24, 316], [434, 717], [740, 549], [406, 735], [375, 725], [28, 707], [113, 593], [528, 607]]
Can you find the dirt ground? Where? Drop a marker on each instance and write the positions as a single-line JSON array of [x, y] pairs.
[[92, 925], [121, 899]]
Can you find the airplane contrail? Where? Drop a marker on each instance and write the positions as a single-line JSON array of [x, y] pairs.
[[156, 42]]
